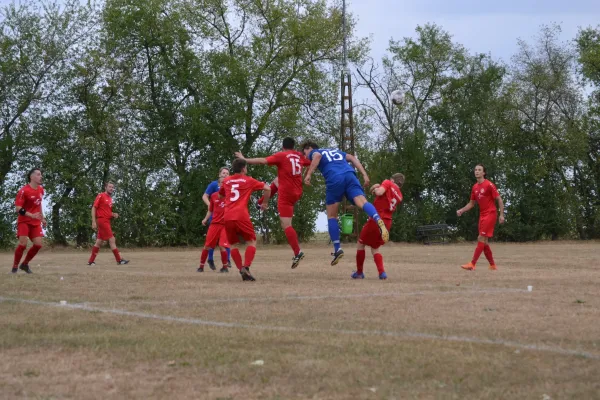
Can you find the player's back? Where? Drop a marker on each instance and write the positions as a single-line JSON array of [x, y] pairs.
[[387, 203], [333, 163], [237, 189], [289, 169]]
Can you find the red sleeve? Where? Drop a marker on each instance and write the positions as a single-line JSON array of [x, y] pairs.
[[222, 191], [473, 197], [257, 185], [273, 160], [20, 201], [387, 184], [495, 193], [305, 162], [97, 201]]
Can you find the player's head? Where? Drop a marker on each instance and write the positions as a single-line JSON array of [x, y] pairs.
[[239, 166], [398, 179], [289, 143], [480, 171], [309, 146], [34, 176], [109, 187], [223, 173]]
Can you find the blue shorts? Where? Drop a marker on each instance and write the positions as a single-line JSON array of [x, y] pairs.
[[343, 185]]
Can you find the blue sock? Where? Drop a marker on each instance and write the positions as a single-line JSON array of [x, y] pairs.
[[211, 253], [228, 250], [334, 233], [370, 209]]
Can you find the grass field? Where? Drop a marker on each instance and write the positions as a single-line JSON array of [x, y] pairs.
[[157, 329]]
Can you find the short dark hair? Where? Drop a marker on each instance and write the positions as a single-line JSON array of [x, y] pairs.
[[289, 143], [238, 165], [310, 144], [398, 179], [484, 170], [31, 171]]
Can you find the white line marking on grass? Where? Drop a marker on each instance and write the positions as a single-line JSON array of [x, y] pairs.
[[396, 334]]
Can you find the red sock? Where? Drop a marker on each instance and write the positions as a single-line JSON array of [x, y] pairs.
[[360, 260], [95, 251], [237, 258], [203, 257], [274, 190], [224, 258], [478, 251], [117, 255], [488, 254], [379, 262], [292, 238], [31, 253], [249, 256], [18, 255]]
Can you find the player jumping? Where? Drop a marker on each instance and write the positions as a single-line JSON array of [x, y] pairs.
[[101, 216], [486, 194], [388, 197], [30, 221], [237, 189], [289, 164], [340, 181]]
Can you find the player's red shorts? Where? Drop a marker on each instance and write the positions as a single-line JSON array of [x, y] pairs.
[[216, 235], [487, 224], [29, 230], [370, 235], [104, 230], [285, 204], [234, 229]]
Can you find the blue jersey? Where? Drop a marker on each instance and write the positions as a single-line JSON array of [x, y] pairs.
[[213, 187], [332, 164]]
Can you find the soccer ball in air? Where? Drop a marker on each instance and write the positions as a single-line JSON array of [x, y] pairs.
[[397, 97]]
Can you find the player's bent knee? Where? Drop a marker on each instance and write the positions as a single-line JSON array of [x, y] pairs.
[[360, 201]]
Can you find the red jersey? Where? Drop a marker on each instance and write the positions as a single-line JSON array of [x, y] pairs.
[[237, 190], [485, 193], [386, 203], [31, 200], [103, 204], [217, 208], [289, 170]]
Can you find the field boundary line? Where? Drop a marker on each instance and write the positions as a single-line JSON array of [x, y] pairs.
[[396, 334]]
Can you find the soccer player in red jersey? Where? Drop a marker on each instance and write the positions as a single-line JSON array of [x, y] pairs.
[[388, 197], [30, 220], [216, 236], [289, 163], [236, 189], [486, 195], [101, 216]]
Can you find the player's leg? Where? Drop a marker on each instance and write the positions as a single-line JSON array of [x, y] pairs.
[[232, 238], [95, 251], [334, 232], [486, 229], [355, 192], [36, 235], [285, 207], [360, 260], [274, 189], [481, 242], [488, 232], [246, 230], [378, 258], [112, 242], [23, 235], [224, 250]]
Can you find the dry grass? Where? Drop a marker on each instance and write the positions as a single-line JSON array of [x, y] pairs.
[[430, 331]]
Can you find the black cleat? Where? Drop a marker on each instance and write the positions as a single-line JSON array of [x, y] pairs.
[[92, 264], [337, 256], [14, 270], [223, 270], [123, 262], [25, 267], [296, 260], [200, 269], [246, 276], [211, 264]]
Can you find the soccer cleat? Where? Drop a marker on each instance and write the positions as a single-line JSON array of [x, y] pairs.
[[296, 260], [25, 267], [200, 269], [211, 264], [493, 267], [385, 235], [224, 269], [468, 267], [91, 264], [383, 275], [123, 262], [246, 275], [14, 270], [337, 256], [357, 275]]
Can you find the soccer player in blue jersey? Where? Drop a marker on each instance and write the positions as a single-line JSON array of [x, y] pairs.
[[213, 187], [340, 180]]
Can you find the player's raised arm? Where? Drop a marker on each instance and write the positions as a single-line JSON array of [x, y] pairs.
[[466, 208], [316, 159], [253, 161], [354, 161]]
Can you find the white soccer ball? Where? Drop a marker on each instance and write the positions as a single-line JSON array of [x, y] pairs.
[[397, 97]]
